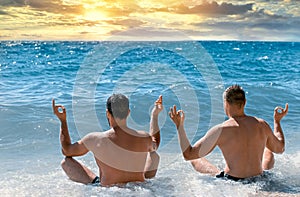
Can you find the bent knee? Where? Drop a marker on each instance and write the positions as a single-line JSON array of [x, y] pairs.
[[268, 165], [150, 174], [154, 156], [195, 163], [65, 162]]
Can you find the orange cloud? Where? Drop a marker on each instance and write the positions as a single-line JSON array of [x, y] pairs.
[[206, 19]]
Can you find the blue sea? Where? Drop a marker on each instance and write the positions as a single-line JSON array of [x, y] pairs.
[[191, 74]]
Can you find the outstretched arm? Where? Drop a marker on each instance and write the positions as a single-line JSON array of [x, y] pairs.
[[154, 128], [186, 148], [201, 148], [68, 148], [178, 119]]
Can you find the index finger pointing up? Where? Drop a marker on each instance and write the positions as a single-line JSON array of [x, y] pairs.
[[160, 99], [286, 108]]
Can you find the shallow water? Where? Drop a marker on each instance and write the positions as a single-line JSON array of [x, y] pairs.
[[79, 76], [43, 177]]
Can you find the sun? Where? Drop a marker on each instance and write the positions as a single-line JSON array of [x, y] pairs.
[[94, 15]]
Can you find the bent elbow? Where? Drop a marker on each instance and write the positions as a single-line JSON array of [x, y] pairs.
[[281, 150], [187, 156], [65, 153], [156, 139]]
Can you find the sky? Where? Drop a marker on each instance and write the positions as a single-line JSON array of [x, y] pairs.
[[267, 20]]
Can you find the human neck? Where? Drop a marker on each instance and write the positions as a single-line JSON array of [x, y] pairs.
[[234, 111], [119, 123], [237, 114]]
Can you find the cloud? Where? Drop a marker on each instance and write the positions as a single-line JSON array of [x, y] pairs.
[[264, 19], [206, 18], [4, 13], [52, 6], [14, 3], [277, 23], [143, 34], [258, 24], [211, 8], [131, 23]]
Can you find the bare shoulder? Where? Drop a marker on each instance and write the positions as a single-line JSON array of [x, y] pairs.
[[263, 125], [218, 128], [142, 134], [96, 136], [262, 122], [226, 124], [95, 139]]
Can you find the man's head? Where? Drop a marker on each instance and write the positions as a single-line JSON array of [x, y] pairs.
[[235, 95], [118, 106]]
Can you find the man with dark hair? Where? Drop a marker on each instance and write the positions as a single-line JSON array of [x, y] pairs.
[[235, 95], [118, 105], [247, 142], [121, 153]]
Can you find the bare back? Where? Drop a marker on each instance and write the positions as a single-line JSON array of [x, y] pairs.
[[242, 142], [120, 155]]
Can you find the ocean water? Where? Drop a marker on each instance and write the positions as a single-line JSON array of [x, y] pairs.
[[192, 75]]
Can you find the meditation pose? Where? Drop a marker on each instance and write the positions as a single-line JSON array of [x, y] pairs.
[[121, 153], [247, 143]]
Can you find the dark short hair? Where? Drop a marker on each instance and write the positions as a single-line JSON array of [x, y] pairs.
[[235, 95], [118, 106]]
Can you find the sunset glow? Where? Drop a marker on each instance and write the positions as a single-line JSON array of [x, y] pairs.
[[199, 19], [93, 15]]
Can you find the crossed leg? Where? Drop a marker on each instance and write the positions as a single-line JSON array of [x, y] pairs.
[[76, 171], [202, 165]]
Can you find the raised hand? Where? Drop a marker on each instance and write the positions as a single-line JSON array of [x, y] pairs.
[[177, 116], [158, 106], [62, 116], [279, 112]]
